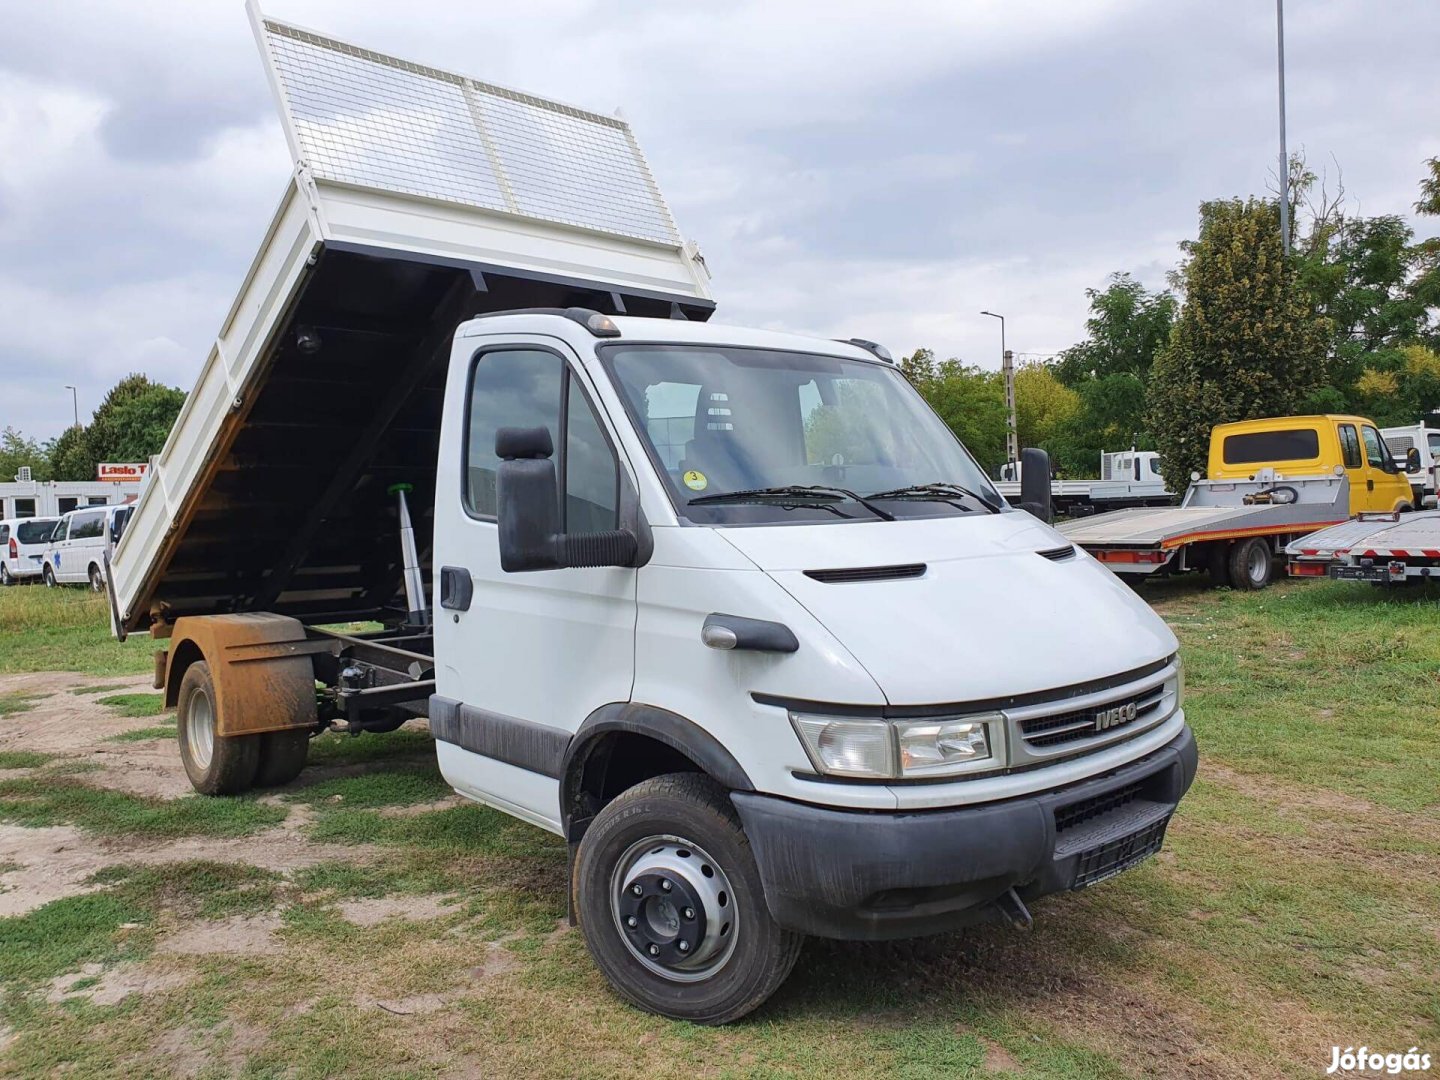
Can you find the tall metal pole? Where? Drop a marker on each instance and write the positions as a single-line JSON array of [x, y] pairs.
[[1284, 157], [1007, 369], [75, 401]]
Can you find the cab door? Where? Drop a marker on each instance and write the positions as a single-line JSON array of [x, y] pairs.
[[1352, 456], [527, 656], [1386, 487]]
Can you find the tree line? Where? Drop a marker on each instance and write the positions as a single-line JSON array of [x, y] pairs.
[[1346, 323], [131, 424]]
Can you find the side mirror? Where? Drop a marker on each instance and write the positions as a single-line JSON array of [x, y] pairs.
[[527, 512], [1035, 484], [1412, 459]]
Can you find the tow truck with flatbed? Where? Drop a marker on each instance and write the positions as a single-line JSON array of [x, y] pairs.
[[1387, 548]]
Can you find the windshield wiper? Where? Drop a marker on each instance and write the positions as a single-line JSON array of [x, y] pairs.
[[941, 490], [806, 491]]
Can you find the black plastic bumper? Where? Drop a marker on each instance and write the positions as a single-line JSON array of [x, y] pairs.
[[874, 875]]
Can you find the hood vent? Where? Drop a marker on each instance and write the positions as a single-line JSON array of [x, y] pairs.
[[1059, 554], [868, 573]]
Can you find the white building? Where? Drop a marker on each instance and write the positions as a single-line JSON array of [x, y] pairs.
[[34, 498]]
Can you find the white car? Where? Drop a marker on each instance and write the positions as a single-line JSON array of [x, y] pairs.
[[22, 547], [76, 550]]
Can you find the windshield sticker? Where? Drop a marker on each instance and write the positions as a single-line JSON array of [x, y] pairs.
[[696, 481]]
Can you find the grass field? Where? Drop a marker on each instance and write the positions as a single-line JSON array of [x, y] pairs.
[[366, 922]]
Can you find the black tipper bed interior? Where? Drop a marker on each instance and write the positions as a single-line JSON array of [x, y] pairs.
[[297, 516]]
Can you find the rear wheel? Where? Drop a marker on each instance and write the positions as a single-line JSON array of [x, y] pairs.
[[672, 907], [282, 756], [215, 764], [97, 579], [49, 576], [1250, 564]]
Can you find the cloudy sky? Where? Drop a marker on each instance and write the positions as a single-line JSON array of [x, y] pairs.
[[879, 170]]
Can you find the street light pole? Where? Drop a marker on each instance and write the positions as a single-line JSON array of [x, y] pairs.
[[1007, 369], [75, 401], [1284, 157]]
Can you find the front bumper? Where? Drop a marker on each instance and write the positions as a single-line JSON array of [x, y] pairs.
[[873, 875]]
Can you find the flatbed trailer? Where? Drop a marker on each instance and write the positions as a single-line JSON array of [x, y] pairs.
[[1076, 498], [1233, 528], [1385, 548]]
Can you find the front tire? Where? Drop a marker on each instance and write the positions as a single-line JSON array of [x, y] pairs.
[[5, 576], [1250, 564], [215, 764], [672, 907]]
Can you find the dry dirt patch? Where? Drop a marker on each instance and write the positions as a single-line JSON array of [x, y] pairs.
[[110, 986], [372, 911], [240, 935]]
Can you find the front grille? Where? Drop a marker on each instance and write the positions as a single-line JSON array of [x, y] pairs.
[[867, 573], [1111, 858], [1057, 728], [1068, 817]]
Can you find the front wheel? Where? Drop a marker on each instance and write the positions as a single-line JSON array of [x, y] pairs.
[[215, 764], [672, 907], [5, 576]]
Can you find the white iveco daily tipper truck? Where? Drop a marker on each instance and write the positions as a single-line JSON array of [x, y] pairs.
[[731, 611]]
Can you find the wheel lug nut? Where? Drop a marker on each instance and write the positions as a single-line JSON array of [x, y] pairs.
[[653, 950], [631, 921], [637, 889], [683, 946], [665, 884], [689, 913]]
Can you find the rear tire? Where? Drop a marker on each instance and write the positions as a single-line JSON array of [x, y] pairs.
[[97, 579], [1251, 564], [49, 576], [216, 765], [282, 756], [679, 829]]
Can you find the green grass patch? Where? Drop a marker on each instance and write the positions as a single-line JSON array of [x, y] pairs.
[[23, 759], [36, 801], [65, 629], [143, 734], [66, 934], [13, 704], [99, 688], [403, 785], [334, 748], [136, 705]]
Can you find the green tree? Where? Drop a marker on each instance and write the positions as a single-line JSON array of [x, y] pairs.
[[969, 399], [1126, 328], [133, 421], [17, 452], [69, 456], [1044, 405], [1425, 285], [1248, 342], [1111, 417]]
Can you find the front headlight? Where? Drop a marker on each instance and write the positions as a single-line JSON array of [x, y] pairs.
[[895, 749]]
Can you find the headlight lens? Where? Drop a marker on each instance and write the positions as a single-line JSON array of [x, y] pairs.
[[895, 749]]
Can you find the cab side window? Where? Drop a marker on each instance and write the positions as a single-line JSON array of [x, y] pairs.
[[1350, 446], [535, 388], [1375, 452], [86, 526]]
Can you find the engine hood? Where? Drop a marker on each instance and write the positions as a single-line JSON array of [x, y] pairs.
[[989, 617]]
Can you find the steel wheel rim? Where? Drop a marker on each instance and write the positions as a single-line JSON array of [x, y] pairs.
[[200, 729], [1255, 565], [660, 918]]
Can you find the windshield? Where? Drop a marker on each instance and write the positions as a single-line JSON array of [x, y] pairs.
[[741, 435]]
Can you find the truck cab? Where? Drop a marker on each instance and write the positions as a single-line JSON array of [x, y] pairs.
[[1351, 446]]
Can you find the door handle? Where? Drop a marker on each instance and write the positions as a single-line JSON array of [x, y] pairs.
[[457, 588], [1370, 483]]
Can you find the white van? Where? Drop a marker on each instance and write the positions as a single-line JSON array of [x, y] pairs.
[[22, 547], [1417, 448], [76, 550]]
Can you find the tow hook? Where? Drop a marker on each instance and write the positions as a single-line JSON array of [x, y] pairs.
[[1014, 909]]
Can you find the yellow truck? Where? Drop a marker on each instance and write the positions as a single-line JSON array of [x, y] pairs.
[[1269, 482]]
